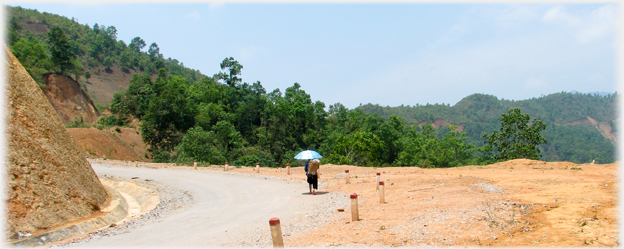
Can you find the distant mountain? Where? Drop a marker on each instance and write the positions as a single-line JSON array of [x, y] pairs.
[[580, 127]]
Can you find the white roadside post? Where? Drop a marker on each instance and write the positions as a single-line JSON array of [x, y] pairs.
[[378, 179], [355, 216], [195, 164], [226, 167], [257, 167], [381, 192], [347, 178], [288, 169], [276, 232]]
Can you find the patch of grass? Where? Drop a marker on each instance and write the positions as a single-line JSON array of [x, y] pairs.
[[77, 123]]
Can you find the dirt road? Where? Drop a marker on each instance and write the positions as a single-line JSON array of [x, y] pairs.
[[227, 208]]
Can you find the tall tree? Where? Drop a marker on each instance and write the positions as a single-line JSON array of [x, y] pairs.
[[137, 44], [153, 50], [233, 70], [60, 50], [518, 137]]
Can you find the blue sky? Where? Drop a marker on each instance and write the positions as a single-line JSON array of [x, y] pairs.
[[387, 54]]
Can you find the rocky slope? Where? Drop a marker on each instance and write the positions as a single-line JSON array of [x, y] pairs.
[[49, 181]]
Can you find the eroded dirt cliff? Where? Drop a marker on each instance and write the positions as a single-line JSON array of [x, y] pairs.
[[49, 179]]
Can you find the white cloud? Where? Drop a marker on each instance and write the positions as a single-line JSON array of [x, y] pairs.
[[194, 15], [599, 24], [586, 26], [558, 15]]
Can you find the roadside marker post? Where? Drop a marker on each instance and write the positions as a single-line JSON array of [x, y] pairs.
[[355, 216], [195, 164], [381, 192], [288, 169], [347, 178], [378, 179], [276, 232], [226, 167], [257, 167], [136, 163]]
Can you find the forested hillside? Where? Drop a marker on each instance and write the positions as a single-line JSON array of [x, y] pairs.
[[188, 116], [574, 121], [45, 42]]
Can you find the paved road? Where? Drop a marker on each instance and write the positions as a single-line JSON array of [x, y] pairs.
[[226, 207]]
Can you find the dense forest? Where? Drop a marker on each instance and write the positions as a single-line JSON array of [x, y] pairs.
[[188, 116]]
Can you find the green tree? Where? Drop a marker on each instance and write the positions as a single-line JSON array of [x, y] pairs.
[[60, 50], [233, 69], [518, 137], [199, 145], [32, 55], [87, 75], [357, 148], [137, 44], [153, 51]]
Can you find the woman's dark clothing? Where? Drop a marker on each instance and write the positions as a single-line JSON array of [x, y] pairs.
[[313, 179]]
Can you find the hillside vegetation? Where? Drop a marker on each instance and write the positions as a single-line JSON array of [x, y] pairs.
[[185, 115], [35, 40], [580, 127]]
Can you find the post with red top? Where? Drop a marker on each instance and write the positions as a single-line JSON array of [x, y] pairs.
[[136, 163], [257, 167], [378, 179], [381, 192], [276, 232], [226, 167], [347, 178], [288, 169], [355, 216], [195, 164]]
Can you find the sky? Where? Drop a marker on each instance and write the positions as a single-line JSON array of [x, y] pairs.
[[387, 54]]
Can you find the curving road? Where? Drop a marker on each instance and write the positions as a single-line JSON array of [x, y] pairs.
[[226, 207]]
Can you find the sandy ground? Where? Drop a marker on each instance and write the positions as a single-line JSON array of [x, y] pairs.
[[515, 203]]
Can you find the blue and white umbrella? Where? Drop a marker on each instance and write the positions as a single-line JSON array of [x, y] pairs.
[[308, 154]]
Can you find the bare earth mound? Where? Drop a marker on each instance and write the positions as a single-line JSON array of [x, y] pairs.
[[124, 144], [49, 180]]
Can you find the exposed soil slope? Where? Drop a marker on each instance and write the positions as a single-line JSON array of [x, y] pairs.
[[69, 100], [443, 123], [103, 84], [604, 127], [125, 144], [49, 179]]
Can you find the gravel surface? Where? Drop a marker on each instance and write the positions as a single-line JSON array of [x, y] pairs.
[[309, 222], [171, 200]]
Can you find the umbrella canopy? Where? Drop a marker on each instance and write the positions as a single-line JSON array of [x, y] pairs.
[[308, 154]]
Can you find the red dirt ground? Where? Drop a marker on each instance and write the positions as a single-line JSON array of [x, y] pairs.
[[515, 203]]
